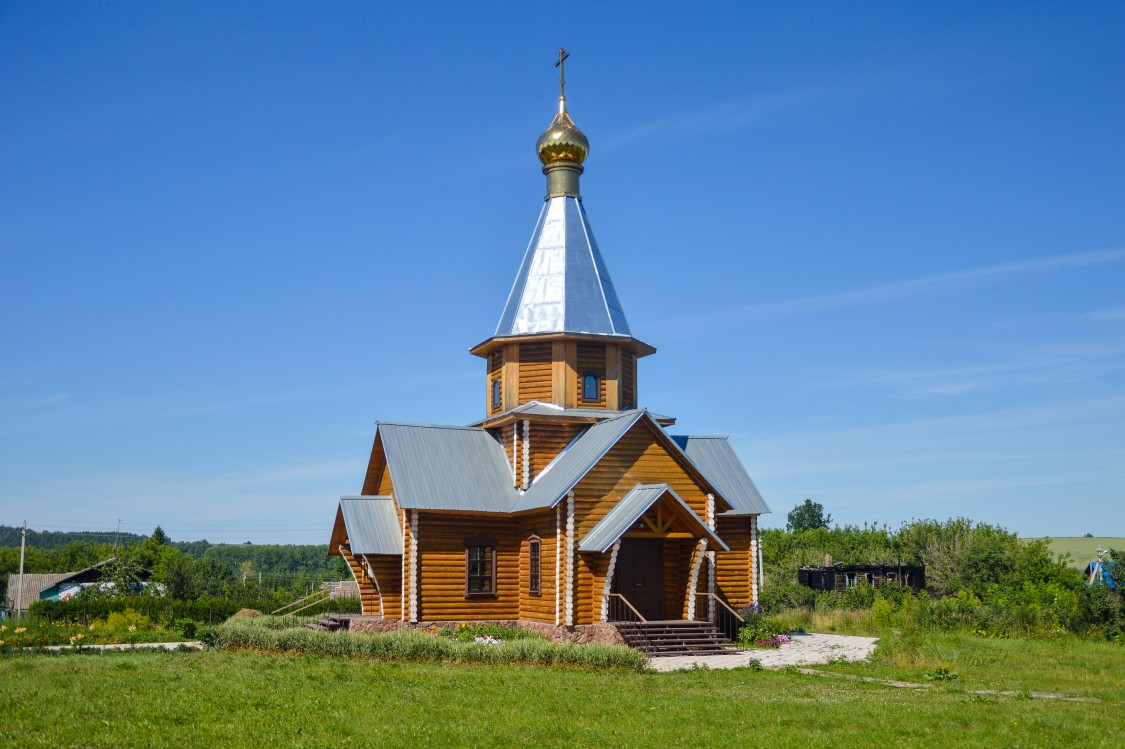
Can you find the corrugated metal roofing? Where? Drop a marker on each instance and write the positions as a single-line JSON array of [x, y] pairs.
[[716, 459], [629, 510], [447, 468], [563, 285], [372, 525], [575, 461], [539, 408], [33, 585]]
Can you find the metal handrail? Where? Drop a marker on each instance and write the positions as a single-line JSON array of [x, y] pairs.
[[324, 596], [725, 605], [631, 606], [302, 599]]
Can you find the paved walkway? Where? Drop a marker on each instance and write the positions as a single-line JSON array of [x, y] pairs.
[[126, 646], [804, 649]]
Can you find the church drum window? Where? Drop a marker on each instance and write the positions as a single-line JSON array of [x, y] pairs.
[[591, 389], [480, 567], [534, 566], [496, 392]]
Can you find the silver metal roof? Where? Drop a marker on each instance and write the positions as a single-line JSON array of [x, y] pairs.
[[447, 468], [539, 408], [563, 285], [629, 510], [716, 459], [575, 461], [372, 525]]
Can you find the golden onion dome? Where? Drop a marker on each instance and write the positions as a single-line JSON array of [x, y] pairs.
[[562, 140]]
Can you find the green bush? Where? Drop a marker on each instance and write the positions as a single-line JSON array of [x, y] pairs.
[[167, 611], [286, 635]]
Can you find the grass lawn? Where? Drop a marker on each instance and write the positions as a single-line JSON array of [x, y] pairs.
[[225, 699], [1082, 549]]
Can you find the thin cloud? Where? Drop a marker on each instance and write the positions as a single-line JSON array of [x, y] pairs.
[[1054, 364], [1106, 315], [738, 113], [32, 403], [899, 290]]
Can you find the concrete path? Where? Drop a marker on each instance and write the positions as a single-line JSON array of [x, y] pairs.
[[126, 646], [804, 649]]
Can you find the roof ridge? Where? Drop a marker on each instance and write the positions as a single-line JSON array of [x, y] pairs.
[[426, 426]]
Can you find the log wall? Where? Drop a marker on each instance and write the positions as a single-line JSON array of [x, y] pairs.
[[540, 608], [441, 557], [535, 372], [547, 441], [734, 568]]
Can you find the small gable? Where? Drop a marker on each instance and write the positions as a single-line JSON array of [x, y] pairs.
[[652, 511], [368, 525]]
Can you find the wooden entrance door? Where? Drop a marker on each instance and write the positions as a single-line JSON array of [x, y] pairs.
[[639, 575]]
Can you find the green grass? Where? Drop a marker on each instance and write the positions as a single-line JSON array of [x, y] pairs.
[[1082, 549], [1069, 665], [249, 699]]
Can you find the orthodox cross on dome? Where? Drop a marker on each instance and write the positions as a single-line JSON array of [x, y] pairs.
[[563, 54]]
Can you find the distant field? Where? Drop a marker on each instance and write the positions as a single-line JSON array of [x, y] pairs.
[[1082, 549]]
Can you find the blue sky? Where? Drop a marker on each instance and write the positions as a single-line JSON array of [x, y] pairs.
[[880, 245]]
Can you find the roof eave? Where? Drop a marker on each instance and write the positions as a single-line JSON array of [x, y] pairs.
[[637, 346]]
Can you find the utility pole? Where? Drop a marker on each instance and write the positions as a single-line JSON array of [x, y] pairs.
[[19, 590], [115, 535]]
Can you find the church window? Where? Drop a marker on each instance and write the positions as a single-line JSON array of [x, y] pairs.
[[480, 568], [591, 391], [496, 392], [534, 566]]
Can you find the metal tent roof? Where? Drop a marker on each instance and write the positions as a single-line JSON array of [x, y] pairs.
[[447, 468], [716, 459], [575, 461], [629, 510], [563, 285], [372, 525]]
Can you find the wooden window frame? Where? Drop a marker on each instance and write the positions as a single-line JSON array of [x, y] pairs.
[[482, 542], [497, 392], [535, 566], [597, 387]]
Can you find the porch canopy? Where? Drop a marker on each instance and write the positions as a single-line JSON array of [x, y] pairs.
[[368, 524], [633, 506]]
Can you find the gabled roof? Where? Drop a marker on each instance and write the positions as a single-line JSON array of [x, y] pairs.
[[563, 284], [446, 468], [33, 585], [575, 461], [717, 460], [629, 510], [371, 525]]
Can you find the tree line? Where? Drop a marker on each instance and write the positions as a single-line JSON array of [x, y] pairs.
[[978, 574], [185, 569]]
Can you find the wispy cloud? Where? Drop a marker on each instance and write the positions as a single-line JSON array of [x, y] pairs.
[[899, 290], [1106, 315], [1055, 364], [739, 113], [32, 403]]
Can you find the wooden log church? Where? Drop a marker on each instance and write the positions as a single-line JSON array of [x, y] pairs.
[[567, 504]]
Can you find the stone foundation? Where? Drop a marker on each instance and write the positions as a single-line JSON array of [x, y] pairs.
[[582, 633]]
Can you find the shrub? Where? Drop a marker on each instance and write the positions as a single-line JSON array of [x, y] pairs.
[[286, 635]]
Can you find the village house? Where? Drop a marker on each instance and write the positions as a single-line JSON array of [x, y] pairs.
[[568, 504]]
